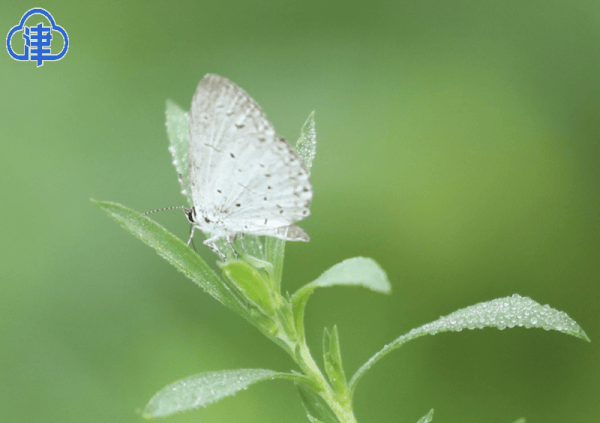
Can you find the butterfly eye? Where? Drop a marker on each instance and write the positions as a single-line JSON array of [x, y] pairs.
[[190, 216]]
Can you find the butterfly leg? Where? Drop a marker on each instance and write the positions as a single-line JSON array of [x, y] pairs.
[[210, 243], [231, 240], [191, 239]]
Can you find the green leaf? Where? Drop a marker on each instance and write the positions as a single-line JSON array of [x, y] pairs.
[[250, 283], [306, 146], [204, 389], [332, 358], [262, 265], [175, 251], [274, 254], [357, 271], [178, 133], [426, 418], [315, 406], [499, 313], [522, 420]]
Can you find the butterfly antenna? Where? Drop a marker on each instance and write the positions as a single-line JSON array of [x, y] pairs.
[[166, 208], [189, 213]]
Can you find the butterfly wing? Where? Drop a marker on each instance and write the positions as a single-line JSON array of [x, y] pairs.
[[244, 178]]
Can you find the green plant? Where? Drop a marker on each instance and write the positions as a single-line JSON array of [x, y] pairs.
[[250, 285]]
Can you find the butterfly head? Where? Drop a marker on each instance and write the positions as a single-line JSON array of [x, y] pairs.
[[190, 214]]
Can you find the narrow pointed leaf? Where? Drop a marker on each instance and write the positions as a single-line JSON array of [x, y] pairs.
[[178, 133], [175, 251], [357, 271], [204, 389], [500, 313], [426, 418], [306, 146], [332, 359]]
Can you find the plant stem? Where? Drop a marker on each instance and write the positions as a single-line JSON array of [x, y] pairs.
[[293, 341], [286, 336], [340, 405]]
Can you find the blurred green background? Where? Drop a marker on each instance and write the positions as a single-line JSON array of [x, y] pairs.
[[458, 147]]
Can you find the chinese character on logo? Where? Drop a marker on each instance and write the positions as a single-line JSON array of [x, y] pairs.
[[37, 39]]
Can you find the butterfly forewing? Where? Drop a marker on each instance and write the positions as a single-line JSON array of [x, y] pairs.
[[242, 174]]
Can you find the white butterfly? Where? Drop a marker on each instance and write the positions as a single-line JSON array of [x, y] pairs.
[[244, 178]]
